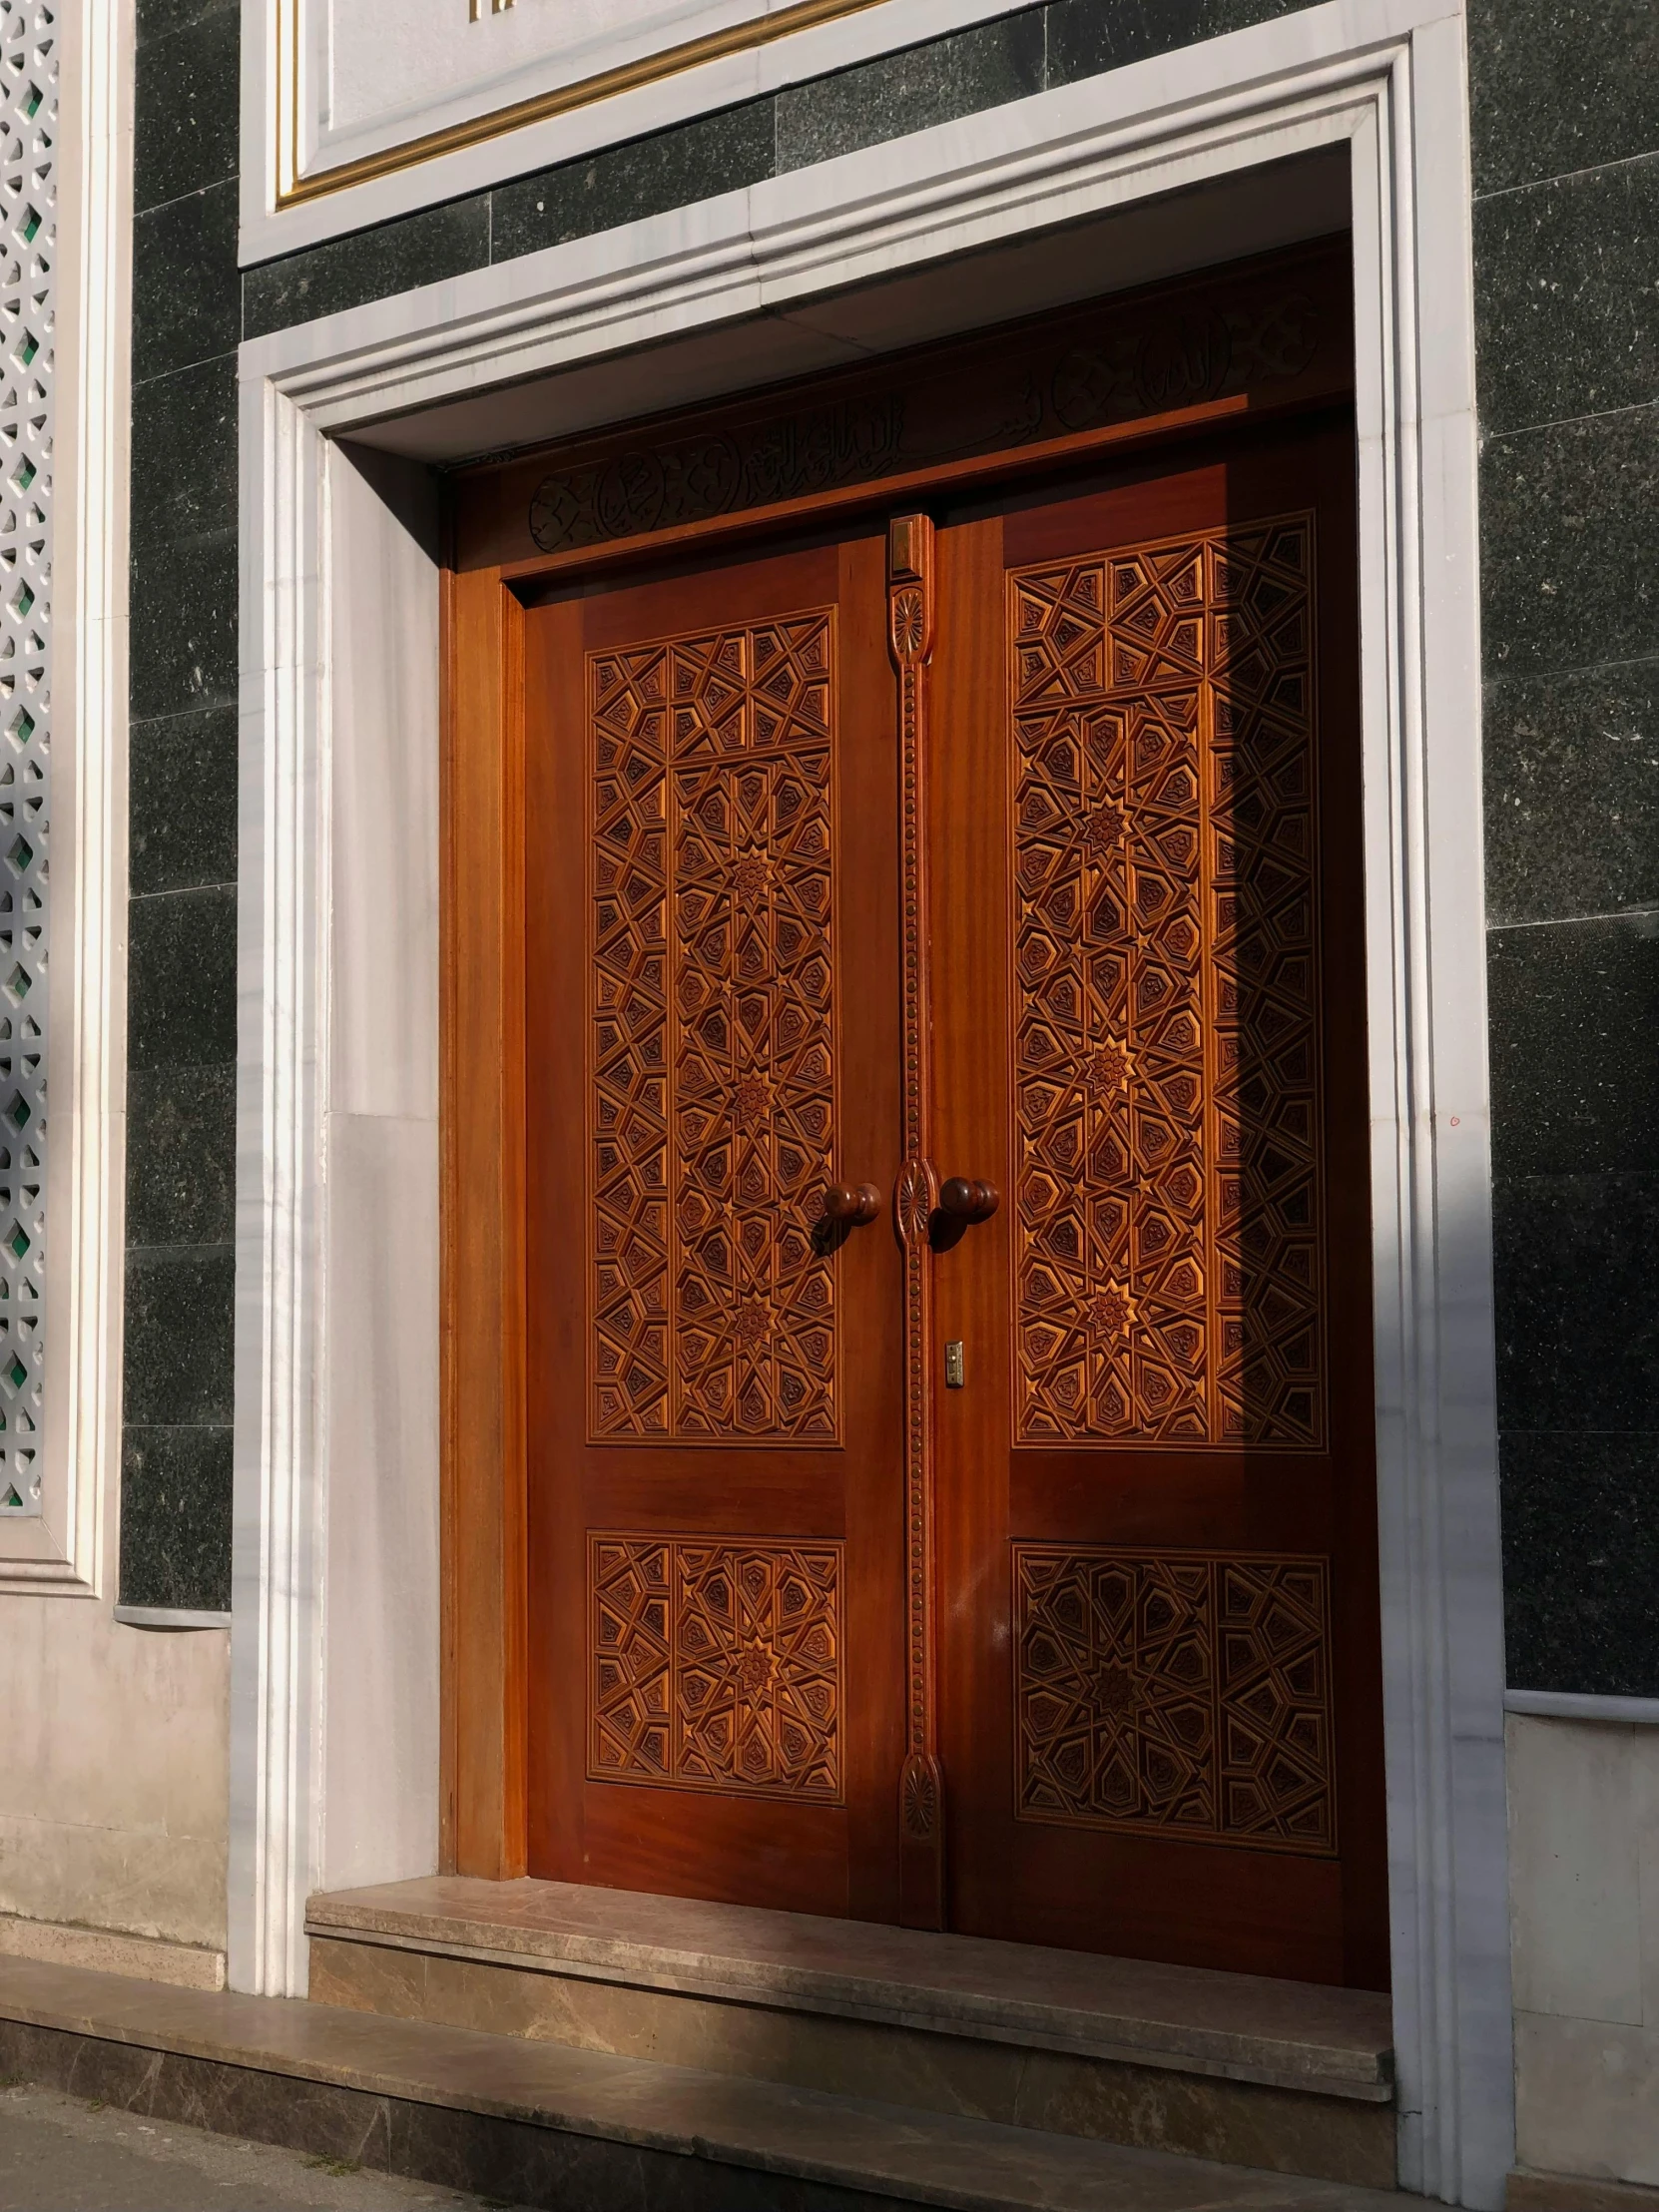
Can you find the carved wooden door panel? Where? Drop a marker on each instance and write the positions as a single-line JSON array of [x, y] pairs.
[[1001, 1565], [714, 1442], [1159, 1687]]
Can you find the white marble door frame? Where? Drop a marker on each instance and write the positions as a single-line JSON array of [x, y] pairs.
[[1383, 79]]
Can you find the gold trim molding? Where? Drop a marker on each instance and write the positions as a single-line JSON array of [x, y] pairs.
[[293, 189]]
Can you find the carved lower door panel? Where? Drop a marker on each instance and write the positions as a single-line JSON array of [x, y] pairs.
[[716, 1437], [1158, 1666]]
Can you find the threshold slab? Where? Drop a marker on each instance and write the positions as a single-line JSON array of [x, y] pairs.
[[1242, 2027]]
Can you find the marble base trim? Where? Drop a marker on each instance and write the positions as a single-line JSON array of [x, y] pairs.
[[1575, 1705], [1535, 2192], [109, 1950], [539, 2125], [1013, 2084]]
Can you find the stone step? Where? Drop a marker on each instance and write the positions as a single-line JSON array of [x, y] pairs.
[[544, 2124], [1286, 2076]]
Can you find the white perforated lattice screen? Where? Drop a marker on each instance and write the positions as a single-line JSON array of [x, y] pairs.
[[28, 236]]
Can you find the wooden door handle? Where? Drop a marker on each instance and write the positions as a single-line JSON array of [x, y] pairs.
[[969, 1201], [850, 1205], [962, 1202]]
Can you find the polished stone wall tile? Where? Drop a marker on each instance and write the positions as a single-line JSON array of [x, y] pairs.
[[1566, 119], [187, 296], [186, 101], [1560, 85], [181, 786], [1571, 544], [181, 974], [1086, 37], [183, 469], [1572, 792], [1575, 1047], [1566, 299], [182, 613], [158, 19], [898, 93], [320, 2117], [186, 304], [625, 183], [181, 1142], [416, 249], [1582, 1561], [1576, 1266], [177, 1358], [122, 2074], [175, 1518]]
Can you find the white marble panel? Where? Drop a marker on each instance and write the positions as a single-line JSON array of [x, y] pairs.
[[380, 1137], [380, 1820], [140, 1881], [112, 1728], [1587, 2098], [113, 1773], [1644, 1800], [1574, 1885], [384, 839]]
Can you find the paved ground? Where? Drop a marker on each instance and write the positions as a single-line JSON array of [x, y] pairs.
[[60, 2154]]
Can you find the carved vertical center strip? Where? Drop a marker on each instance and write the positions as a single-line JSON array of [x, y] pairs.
[[911, 612]]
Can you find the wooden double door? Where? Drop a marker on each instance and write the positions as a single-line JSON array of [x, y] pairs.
[[950, 1427]]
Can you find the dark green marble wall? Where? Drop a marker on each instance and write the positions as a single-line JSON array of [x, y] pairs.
[[181, 1026], [1567, 177], [1566, 229]]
